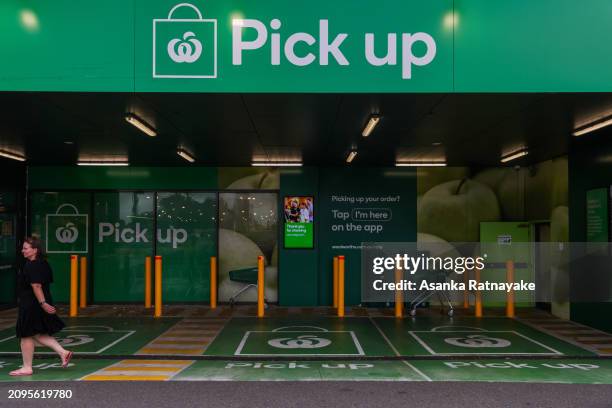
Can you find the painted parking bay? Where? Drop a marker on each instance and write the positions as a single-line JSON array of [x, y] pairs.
[[299, 371], [101, 336], [443, 336], [315, 337]]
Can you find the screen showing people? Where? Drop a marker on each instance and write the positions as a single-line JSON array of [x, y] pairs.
[[299, 221]]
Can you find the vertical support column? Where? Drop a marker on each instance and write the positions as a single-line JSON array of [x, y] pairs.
[[148, 282], [510, 294], [478, 301], [158, 286], [261, 284], [74, 270], [399, 295], [213, 282], [335, 277], [341, 286], [83, 283]]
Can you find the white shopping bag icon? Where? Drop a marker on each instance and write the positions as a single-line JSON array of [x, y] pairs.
[[67, 231], [184, 47]]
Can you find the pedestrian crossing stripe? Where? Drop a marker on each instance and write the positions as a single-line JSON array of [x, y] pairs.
[[188, 337], [139, 370]]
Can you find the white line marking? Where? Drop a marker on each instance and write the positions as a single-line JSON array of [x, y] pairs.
[[115, 342], [422, 343], [384, 336], [241, 345], [359, 349], [554, 352], [427, 378]]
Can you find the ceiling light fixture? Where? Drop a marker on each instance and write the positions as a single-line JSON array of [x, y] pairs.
[[102, 163], [372, 122], [514, 155], [593, 126], [140, 124], [185, 155], [421, 164], [351, 156], [276, 164], [12, 156]]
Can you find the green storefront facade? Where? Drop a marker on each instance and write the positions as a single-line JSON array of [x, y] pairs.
[[449, 47]]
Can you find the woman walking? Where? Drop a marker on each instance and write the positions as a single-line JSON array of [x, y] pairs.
[[37, 320]]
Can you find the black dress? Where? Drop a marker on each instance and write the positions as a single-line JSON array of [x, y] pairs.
[[32, 319]]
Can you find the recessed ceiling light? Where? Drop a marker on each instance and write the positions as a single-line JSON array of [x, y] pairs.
[[102, 163], [351, 156], [185, 155], [369, 127], [421, 164], [12, 156], [140, 124], [593, 126], [514, 155], [276, 164], [436, 144]]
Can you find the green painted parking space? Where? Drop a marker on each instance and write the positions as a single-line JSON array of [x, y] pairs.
[[442, 336], [574, 371], [102, 336], [570, 371], [51, 369], [317, 337], [299, 371]]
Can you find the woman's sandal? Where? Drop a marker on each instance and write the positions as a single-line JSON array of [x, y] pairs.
[[66, 360], [20, 373]]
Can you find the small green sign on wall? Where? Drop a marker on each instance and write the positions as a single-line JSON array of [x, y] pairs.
[[597, 215]]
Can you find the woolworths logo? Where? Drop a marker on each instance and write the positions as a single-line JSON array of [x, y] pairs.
[[115, 233], [187, 47]]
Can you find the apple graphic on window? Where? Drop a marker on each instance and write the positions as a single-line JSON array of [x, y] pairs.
[[453, 210]]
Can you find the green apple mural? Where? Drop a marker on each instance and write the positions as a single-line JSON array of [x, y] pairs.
[[453, 210], [237, 251], [429, 177], [249, 178], [506, 183], [453, 201]]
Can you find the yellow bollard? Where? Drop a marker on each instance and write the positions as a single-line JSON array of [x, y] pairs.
[[399, 295], [510, 294], [335, 277], [158, 286], [148, 282], [478, 301], [74, 268], [341, 286], [213, 282], [83, 283], [466, 294], [261, 284]]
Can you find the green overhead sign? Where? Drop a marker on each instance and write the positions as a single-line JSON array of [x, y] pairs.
[[319, 46]]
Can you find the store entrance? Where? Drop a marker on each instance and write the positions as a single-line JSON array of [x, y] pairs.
[[248, 228]]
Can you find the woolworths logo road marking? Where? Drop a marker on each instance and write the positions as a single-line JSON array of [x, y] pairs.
[[187, 47]]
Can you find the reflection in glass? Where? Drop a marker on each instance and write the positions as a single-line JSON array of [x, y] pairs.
[[248, 229]]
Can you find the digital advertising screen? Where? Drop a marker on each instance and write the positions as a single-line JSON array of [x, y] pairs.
[[299, 222]]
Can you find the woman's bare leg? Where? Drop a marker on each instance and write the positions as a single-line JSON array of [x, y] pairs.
[[27, 353], [50, 342]]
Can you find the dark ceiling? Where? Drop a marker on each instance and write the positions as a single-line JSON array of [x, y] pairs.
[[318, 129]]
